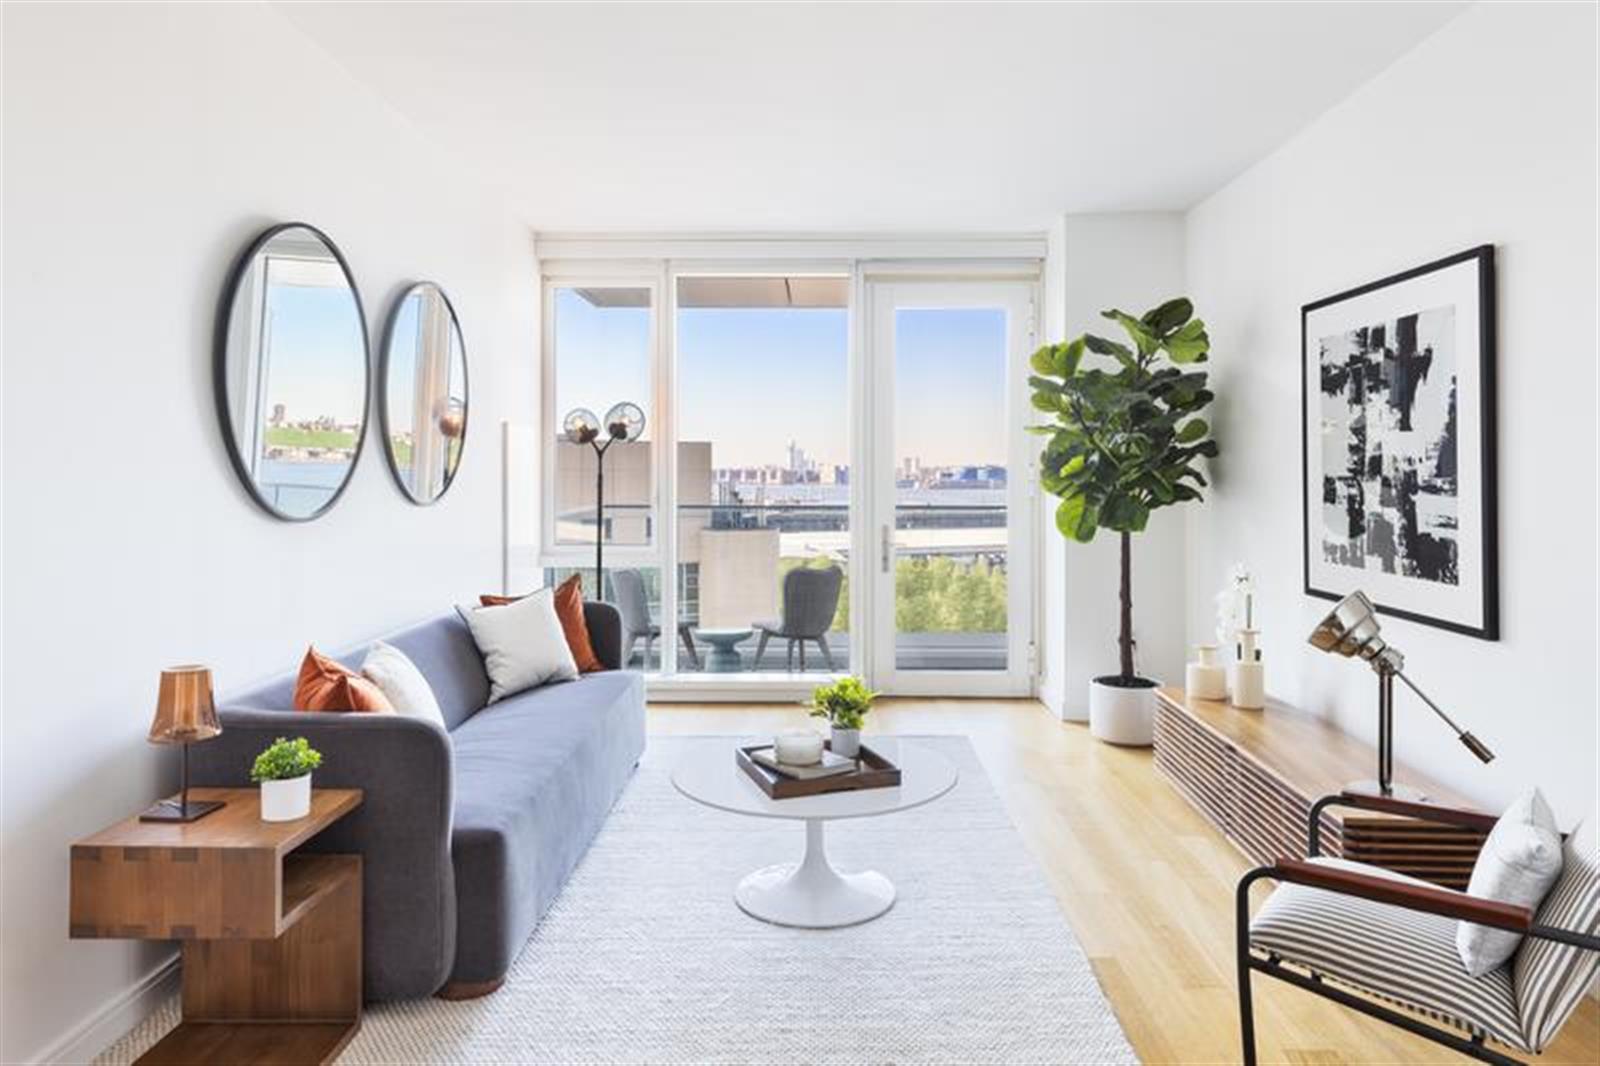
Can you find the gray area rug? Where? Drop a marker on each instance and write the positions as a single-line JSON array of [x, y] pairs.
[[646, 959]]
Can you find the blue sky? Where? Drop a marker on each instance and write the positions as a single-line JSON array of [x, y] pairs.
[[751, 380], [316, 353]]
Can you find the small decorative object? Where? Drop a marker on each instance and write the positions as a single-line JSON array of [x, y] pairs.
[[1351, 629], [1398, 452], [1236, 607], [624, 422], [1205, 679], [1122, 441], [284, 771], [797, 747], [1248, 683], [185, 713], [845, 704]]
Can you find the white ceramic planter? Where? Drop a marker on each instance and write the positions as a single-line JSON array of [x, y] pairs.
[[284, 801], [1122, 715], [845, 742]]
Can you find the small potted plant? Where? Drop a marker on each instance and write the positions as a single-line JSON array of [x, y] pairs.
[[844, 704], [284, 770]]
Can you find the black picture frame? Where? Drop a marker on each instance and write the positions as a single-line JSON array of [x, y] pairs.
[[1486, 626]]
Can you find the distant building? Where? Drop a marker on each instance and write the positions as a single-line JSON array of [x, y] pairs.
[[278, 415]]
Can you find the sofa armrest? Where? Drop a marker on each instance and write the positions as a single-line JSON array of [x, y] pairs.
[[1440, 901], [605, 632], [402, 828]]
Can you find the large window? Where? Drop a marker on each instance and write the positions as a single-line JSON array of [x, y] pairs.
[[833, 475], [764, 471]]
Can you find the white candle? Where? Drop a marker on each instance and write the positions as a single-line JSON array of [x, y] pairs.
[[798, 747]]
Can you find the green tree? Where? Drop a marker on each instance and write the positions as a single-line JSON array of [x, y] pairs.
[[1124, 435]]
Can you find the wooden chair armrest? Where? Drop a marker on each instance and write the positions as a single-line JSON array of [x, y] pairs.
[[1429, 812], [1439, 901]]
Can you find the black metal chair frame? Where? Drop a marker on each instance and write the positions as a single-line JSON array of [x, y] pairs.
[[1473, 1046]]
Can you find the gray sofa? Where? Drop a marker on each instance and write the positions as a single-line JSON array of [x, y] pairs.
[[466, 838]]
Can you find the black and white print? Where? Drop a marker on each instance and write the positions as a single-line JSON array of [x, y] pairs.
[[1398, 449], [1389, 446]]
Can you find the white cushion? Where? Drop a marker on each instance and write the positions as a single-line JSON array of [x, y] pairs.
[[401, 683], [522, 644], [1518, 864]]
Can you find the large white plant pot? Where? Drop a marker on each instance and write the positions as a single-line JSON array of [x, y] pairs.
[[1122, 715], [284, 801]]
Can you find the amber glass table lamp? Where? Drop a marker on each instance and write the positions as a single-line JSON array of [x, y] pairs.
[[185, 713]]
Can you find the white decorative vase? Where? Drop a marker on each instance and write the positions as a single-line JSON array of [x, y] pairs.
[[1123, 715], [284, 801], [1248, 684], [1206, 679], [845, 742]]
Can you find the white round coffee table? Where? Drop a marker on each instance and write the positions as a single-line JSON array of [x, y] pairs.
[[812, 894]]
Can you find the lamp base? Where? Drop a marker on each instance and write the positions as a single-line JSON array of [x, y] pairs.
[[171, 810], [1396, 791]]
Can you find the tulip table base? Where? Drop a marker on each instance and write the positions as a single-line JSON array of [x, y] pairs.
[[811, 894]]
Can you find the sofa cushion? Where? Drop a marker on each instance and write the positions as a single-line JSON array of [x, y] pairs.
[[536, 774]]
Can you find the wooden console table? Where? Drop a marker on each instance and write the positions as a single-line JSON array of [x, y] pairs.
[[271, 936], [1255, 775]]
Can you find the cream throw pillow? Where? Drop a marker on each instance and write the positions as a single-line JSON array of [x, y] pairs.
[[522, 644], [401, 683], [1518, 864]]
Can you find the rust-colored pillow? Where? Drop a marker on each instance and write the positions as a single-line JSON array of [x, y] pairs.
[[569, 609], [325, 684]]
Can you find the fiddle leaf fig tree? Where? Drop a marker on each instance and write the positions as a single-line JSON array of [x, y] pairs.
[[1125, 431]]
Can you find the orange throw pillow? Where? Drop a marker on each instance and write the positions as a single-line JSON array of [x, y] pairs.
[[325, 684], [569, 609]]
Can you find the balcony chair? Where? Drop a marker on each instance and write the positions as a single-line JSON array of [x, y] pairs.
[[810, 598], [1356, 934], [634, 605]]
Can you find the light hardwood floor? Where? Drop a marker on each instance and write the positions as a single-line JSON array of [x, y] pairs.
[[1146, 884]]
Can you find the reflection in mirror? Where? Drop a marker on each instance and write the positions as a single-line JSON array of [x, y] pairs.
[[292, 371], [424, 407]]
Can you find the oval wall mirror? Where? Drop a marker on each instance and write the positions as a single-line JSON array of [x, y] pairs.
[[424, 407], [292, 371]]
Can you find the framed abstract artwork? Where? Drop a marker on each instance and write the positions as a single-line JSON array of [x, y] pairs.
[[1398, 444]]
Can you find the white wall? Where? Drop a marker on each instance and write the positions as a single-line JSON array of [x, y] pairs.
[[1486, 133], [144, 146], [1132, 262]]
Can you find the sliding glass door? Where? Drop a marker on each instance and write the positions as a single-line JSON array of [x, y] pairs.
[[951, 593], [833, 477]]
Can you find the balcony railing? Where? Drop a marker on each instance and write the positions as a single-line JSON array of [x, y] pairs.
[[950, 583]]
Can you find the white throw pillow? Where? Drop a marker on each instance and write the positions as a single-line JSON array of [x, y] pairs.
[[522, 644], [398, 678], [1518, 864]]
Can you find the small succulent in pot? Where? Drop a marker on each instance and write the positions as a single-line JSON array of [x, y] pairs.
[[284, 772], [845, 704]]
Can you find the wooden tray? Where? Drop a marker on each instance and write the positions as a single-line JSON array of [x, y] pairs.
[[873, 771]]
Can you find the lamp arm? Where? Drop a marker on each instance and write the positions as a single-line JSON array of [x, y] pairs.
[[1473, 744]]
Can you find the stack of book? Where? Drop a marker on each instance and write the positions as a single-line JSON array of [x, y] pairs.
[[831, 764]]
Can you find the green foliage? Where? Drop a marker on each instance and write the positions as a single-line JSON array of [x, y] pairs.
[[284, 759], [940, 595], [844, 703], [1124, 438]]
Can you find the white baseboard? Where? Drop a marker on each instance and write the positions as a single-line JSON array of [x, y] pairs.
[[108, 1024]]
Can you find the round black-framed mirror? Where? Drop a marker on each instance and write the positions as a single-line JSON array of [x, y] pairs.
[[424, 406], [292, 371]]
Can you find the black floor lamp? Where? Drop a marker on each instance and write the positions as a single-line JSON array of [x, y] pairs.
[[624, 422]]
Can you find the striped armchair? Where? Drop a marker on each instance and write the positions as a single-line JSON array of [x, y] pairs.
[[1368, 938]]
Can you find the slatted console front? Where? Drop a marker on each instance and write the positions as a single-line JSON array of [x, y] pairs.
[[1255, 775]]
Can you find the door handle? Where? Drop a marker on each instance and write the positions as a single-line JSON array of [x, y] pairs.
[[885, 549]]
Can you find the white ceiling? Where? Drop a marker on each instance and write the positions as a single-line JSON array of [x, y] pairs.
[[860, 116]]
